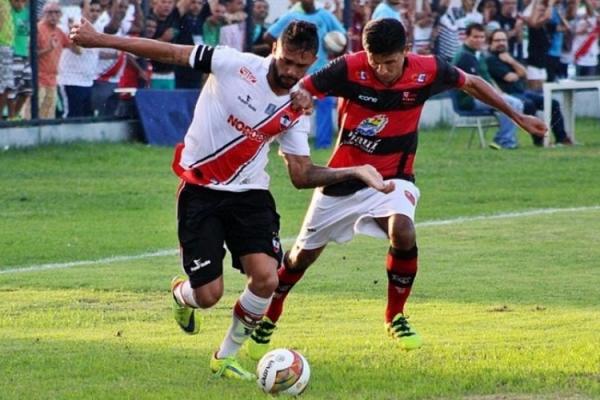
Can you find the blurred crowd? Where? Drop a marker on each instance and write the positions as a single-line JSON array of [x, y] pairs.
[[552, 39]]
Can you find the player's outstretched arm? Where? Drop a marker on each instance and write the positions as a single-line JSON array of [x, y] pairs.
[[304, 174], [83, 34], [483, 91]]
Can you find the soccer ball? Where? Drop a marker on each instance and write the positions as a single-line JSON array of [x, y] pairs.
[[283, 371], [335, 42]]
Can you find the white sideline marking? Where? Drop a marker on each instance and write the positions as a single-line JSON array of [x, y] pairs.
[[172, 252]]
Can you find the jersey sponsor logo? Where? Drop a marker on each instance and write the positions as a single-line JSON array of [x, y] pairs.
[[246, 101], [369, 99], [245, 129], [409, 97], [372, 126], [420, 78], [276, 245], [247, 75], [362, 75], [410, 197], [271, 108], [366, 144]]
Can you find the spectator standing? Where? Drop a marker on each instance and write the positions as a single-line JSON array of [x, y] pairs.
[[509, 75], [360, 16], [111, 62], [512, 24], [470, 60], [325, 22], [7, 35], [585, 43], [77, 70], [50, 42], [167, 28], [556, 26], [212, 26], [190, 34], [234, 33], [260, 12], [21, 91], [452, 25], [536, 15]]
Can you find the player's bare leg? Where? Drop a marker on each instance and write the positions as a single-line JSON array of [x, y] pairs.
[[248, 310], [294, 264], [401, 266]]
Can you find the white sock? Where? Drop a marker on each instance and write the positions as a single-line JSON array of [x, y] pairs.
[[184, 294], [247, 311]]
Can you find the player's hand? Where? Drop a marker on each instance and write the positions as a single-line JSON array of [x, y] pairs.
[[369, 175], [83, 34], [532, 124], [302, 100]]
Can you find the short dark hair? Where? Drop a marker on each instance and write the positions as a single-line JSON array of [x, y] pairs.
[[301, 35], [384, 36], [474, 27], [491, 36]]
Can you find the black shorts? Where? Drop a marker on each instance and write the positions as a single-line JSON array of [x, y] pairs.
[[247, 222]]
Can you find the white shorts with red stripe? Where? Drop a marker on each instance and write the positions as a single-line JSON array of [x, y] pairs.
[[339, 218]]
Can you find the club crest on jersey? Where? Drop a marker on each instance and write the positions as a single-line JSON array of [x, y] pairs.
[[247, 75], [285, 121], [372, 126]]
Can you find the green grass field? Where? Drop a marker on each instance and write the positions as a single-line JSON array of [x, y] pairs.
[[507, 297]]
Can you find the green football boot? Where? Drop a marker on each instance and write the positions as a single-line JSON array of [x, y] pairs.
[[401, 330], [260, 340], [184, 315], [229, 367]]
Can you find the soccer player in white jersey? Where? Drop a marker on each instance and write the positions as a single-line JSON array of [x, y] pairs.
[[224, 196]]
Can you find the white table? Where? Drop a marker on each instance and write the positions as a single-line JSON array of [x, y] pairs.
[[568, 87]]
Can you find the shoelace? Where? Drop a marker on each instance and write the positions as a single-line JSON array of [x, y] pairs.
[[401, 326]]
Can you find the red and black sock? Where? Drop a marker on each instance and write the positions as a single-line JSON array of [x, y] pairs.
[[401, 268], [287, 280]]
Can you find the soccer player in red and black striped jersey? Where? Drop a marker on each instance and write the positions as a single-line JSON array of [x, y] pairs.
[[382, 91]]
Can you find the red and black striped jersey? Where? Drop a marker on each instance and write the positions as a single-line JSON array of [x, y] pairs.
[[378, 123]]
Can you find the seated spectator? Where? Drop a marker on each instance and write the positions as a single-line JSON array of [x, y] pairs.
[[509, 75], [6, 54], [21, 91], [77, 70], [471, 61], [50, 43]]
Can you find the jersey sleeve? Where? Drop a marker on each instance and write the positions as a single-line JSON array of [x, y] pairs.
[[447, 77], [329, 80], [295, 140], [217, 60]]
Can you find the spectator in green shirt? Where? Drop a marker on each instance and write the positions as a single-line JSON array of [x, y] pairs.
[[7, 35], [21, 91]]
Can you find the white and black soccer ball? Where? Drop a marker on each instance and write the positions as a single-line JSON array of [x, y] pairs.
[[283, 371], [335, 42]]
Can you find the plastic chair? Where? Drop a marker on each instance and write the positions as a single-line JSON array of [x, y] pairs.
[[478, 120]]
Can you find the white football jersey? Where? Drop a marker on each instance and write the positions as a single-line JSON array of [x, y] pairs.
[[236, 117]]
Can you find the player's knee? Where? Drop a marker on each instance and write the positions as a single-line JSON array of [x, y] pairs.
[[264, 284], [207, 298], [403, 236]]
